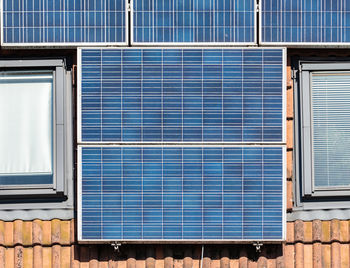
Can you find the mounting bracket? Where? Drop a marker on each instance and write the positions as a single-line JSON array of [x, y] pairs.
[[258, 246], [116, 246]]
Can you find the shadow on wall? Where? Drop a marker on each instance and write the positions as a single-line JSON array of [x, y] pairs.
[[187, 256]]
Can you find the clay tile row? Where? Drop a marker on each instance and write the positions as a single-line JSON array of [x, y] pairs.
[[318, 231], [37, 232]]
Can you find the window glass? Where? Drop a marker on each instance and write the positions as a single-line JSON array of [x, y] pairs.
[[26, 120], [330, 94]]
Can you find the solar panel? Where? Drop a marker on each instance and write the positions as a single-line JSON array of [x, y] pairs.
[[313, 22], [63, 22], [194, 21], [181, 193], [165, 144], [181, 95]]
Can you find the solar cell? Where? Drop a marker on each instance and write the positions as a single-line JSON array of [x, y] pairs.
[[194, 21], [312, 22], [63, 22], [182, 95], [181, 193]]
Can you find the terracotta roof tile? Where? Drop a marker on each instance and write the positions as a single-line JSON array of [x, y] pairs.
[[307, 232], [326, 255], [307, 255], [299, 255], [344, 253], [10, 258], [27, 231], [46, 233], [317, 255], [299, 231], [52, 244], [344, 231], [37, 232], [2, 256], [317, 230], [326, 231], [335, 257], [47, 257], [37, 256]]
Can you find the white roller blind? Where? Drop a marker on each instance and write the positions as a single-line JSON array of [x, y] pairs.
[[26, 123], [331, 128]]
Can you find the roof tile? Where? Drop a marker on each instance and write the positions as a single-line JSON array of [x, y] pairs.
[[344, 253], [308, 255], [289, 256], [55, 231], [65, 233], [317, 255], [344, 231], [46, 233], [308, 232], [326, 231], [56, 256], [28, 257], [47, 257], [65, 257], [27, 233], [10, 258], [299, 230], [326, 255], [17, 232], [8, 236], [335, 251], [317, 230], [18, 256], [2, 256], [37, 232], [335, 230], [38, 256], [2, 233], [299, 255]]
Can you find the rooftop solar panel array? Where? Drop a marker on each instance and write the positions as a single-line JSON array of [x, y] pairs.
[[177, 193], [63, 21], [300, 21], [182, 95], [223, 187], [196, 21]]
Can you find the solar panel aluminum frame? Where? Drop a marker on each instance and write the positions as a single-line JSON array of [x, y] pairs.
[[297, 44], [169, 241], [62, 44], [192, 44], [79, 94]]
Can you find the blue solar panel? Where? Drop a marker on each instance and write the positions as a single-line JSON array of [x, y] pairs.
[[63, 21], [184, 21], [181, 193], [182, 95], [300, 21]]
